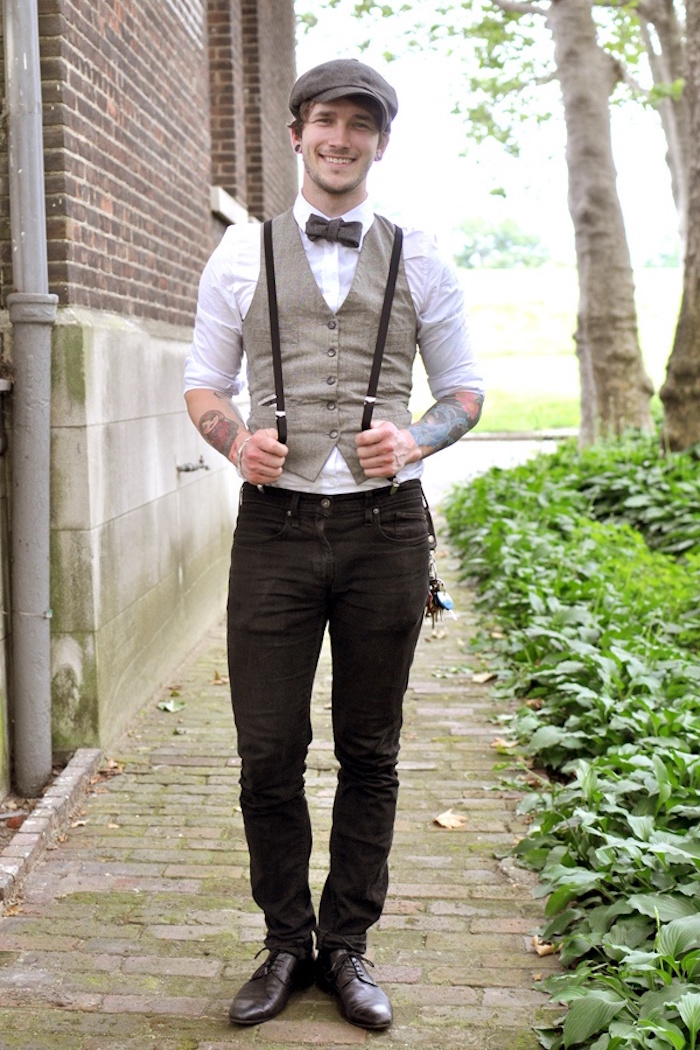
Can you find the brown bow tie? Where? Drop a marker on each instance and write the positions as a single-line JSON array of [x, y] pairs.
[[347, 233]]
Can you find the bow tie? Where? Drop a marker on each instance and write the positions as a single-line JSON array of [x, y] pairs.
[[347, 233]]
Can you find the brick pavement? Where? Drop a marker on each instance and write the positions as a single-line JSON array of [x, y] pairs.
[[135, 928]]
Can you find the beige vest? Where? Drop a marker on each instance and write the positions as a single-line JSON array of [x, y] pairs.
[[327, 357]]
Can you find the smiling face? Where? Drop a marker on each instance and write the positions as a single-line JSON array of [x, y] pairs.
[[339, 142]]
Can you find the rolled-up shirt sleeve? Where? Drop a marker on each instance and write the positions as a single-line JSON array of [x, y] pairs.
[[215, 361], [443, 336]]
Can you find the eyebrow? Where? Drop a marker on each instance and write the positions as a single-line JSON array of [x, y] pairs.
[[329, 111]]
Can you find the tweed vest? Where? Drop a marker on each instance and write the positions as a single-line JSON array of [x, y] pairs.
[[326, 356]]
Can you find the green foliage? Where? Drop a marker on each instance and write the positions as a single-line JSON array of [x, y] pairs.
[[590, 564], [499, 246], [510, 50]]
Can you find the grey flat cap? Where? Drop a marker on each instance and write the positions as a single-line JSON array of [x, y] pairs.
[[342, 77]]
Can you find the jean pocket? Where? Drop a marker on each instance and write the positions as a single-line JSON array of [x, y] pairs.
[[405, 526], [257, 523]]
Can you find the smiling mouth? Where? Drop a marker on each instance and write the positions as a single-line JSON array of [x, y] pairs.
[[338, 161]]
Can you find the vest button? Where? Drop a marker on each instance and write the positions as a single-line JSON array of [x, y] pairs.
[[331, 380], [332, 434], [332, 325], [330, 405], [331, 351]]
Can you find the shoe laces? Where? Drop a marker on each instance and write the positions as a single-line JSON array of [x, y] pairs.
[[272, 958], [354, 958]]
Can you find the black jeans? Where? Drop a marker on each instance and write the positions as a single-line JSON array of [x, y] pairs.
[[359, 565]]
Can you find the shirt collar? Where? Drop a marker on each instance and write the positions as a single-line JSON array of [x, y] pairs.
[[363, 213]]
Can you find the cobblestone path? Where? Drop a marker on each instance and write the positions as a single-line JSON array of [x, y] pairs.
[[136, 928]]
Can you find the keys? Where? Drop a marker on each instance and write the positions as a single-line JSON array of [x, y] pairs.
[[438, 601]]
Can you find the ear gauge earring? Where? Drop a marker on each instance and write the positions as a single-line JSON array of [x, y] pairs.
[[297, 148], [378, 155]]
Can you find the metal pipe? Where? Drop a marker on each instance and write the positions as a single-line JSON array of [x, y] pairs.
[[32, 313]]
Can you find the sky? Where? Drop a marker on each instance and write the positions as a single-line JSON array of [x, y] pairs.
[[426, 179]]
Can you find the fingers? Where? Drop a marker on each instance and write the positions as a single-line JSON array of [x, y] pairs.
[[384, 449], [377, 450], [262, 457]]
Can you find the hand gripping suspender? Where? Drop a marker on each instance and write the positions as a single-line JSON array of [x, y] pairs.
[[371, 396]]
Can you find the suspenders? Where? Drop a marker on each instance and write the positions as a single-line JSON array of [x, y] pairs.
[[437, 599], [371, 395], [275, 333]]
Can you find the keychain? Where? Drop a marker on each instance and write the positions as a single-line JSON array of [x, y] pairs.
[[438, 601]]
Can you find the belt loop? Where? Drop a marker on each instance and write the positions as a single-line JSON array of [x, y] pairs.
[[293, 511]]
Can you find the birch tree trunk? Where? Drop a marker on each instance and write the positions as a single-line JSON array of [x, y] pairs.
[[615, 389], [680, 393]]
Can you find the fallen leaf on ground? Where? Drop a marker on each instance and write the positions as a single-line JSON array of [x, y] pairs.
[[484, 676], [219, 679], [111, 768], [499, 742], [171, 705], [449, 820], [544, 947]]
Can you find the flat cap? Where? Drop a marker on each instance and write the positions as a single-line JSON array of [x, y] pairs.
[[342, 77]]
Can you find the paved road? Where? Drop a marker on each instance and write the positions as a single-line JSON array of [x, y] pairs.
[[474, 455]]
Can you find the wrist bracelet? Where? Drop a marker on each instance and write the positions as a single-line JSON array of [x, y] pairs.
[[239, 457]]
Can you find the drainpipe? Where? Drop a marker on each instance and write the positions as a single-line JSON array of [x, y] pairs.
[[32, 313]]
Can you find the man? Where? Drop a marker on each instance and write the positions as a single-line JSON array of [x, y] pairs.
[[331, 530]]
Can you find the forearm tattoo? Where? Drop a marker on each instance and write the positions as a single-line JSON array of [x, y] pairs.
[[218, 430], [447, 421]]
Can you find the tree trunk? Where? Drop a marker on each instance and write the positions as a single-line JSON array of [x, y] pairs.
[[666, 54], [615, 389], [680, 393]]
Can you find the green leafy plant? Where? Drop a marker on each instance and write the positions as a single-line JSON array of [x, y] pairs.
[[588, 564]]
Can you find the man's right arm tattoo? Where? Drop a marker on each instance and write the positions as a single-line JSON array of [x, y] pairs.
[[219, 431]]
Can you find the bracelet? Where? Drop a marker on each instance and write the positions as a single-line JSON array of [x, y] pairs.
[[239, 457]]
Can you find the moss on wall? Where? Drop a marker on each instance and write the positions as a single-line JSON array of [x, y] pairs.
[[4, 749], [68, 366], [74, 719]]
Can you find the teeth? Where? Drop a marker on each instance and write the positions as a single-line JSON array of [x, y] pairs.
[[337, 160]]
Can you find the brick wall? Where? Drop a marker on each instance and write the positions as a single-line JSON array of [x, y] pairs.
[[147, 103], [127, 153], [227, 99], [269, 74]]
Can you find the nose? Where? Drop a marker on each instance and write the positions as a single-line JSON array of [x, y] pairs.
[[340, 135]]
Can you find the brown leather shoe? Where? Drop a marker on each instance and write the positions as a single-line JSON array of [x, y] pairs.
[[267, 992], [361, 1000]]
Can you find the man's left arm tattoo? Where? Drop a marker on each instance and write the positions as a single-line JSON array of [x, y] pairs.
[[447, 421]]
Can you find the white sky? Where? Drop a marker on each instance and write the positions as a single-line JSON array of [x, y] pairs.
[[423, 179]]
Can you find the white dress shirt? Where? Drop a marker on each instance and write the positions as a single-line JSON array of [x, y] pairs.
[[226, 290]]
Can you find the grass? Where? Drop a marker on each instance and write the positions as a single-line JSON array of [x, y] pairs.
[[522, 324]]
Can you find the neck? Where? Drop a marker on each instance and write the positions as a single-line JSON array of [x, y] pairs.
[[331, 204]]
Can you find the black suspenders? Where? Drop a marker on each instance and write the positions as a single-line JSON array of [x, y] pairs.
[[371, 395], [275, 333]]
